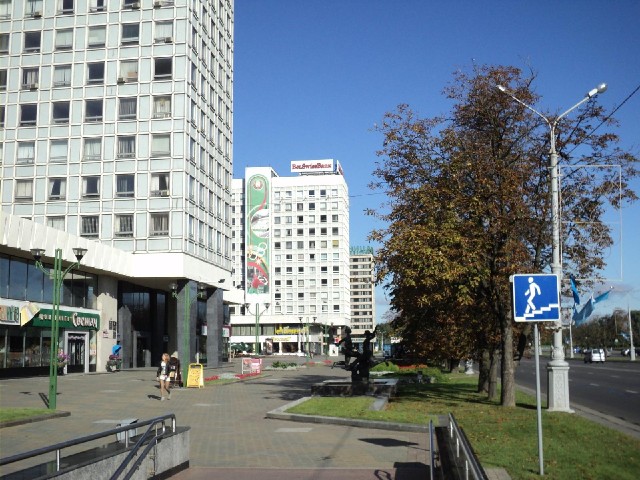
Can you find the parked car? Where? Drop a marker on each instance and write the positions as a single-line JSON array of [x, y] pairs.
[[627, 352], [594, 355]]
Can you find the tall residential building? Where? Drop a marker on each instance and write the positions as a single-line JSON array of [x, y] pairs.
[[363, 301], [291, 258], [116, 133]]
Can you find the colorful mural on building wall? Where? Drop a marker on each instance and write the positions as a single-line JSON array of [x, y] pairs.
[[257, 228]]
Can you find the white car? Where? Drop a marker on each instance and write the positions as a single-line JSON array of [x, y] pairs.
[[594, 355]]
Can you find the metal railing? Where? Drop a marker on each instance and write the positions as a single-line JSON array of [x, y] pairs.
[[464, 452], [156, 430]]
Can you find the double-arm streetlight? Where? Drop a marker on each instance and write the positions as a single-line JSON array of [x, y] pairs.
[[186, 323], [305, 333], [57, 275], [258, 314], [558, 368]]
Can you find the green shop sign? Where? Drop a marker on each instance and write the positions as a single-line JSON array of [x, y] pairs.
[[68, 319]]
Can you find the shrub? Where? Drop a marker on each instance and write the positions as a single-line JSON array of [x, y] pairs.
[[385, 367]]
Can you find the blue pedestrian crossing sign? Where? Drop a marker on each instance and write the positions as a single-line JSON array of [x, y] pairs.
[[536, 298]]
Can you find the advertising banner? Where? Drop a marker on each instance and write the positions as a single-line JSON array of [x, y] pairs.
[[257, 231]]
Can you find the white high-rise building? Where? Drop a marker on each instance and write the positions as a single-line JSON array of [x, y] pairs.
[[116, 132], [291, 258], [363, 304]]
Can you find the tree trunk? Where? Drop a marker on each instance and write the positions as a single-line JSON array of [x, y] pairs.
[[484, 364], [508, 365], [493, 375]]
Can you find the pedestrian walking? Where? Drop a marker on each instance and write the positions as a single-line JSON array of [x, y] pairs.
[[163, 377]]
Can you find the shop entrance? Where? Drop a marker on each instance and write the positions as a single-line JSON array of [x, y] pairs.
[[77, 351]]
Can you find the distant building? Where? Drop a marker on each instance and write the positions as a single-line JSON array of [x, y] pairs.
[[363, 304]]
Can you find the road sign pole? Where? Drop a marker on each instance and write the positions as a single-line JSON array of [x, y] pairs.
[[536, 339]]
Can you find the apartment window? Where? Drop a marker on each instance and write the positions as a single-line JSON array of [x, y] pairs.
[[132, 3], [64, 39], [97, 5], [62, 75], [92, 149], [124, 225], [65, 6], [128, 71], [24, 190], [162, 106], [30, 78], [127, 147], [91, 186], [58, 151], [56, 222], [4, 38], [32, 42], [26, 152], [33, 7], [60, 112], [3, 79], [159, 184], [93, 110], [97, 36], [130, 32], [57, 188], [5, 8], [163, 32], [159, 224], [95, 72], [127, 108], [1, 126], [89, 226], [163, 68], [125, 185], [160, 145]]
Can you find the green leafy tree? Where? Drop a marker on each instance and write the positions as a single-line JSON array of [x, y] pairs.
[[469, 205]]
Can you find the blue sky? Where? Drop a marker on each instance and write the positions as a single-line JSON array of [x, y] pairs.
[[312, 77]]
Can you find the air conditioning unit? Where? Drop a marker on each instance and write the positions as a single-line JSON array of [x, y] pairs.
[[37, 14], [157, 4], [135, 6], [121, 80], [168, 39], [33, 86], [164, 193]]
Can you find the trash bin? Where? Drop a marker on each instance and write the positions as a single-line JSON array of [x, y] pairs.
[[121, 436]]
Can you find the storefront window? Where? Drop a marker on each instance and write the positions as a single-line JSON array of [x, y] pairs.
[[17, 279], [33, 348]]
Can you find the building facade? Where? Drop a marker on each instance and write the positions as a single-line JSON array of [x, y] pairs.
[[291, 258], [363, 301], [116, 134]]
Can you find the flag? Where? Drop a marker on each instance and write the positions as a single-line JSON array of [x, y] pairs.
[[585, 312], [27, 312], [625, 335], [602, 296], [574, 289]]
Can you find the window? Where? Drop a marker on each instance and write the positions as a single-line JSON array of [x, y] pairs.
[[124, 225], [163, 68], [30, 78], [159, 224], [1, 126], [28, 114], [4, 38], [164, 32], [127, 108], [159, 184], [97, 36], [56, 222], [128, 71], [31, 42], [24, 190], [97, 5], [58, 151], [89, 226], [3, 79], [125, 185], [57, 188], [130, 32], [161, 145], [62, 75], [64, 39], [93, 110], [26, 152], [5, 8], [33, 7], [92, 149], [91, 186], [65, 6], [61, 112], [127, 147], [162, 106], [95, 72]]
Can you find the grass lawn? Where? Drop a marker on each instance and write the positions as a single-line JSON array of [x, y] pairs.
[[12, 414], [574, 448]]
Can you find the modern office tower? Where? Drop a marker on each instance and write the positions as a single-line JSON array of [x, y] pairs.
[[363, 305], [116, 129], [291, 258]]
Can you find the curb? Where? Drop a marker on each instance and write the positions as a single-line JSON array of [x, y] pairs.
[[38, 418]]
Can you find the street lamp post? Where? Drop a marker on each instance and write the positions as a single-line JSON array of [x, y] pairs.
[[186, 323], [57, 274], [558, 368], [258, 314]]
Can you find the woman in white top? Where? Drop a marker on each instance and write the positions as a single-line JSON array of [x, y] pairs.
[[163, 377]]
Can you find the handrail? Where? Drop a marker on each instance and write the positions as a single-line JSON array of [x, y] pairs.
[[88, 438], [471, 464], [432, 460]]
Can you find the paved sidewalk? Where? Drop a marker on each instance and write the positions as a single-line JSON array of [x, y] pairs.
[[230, 436]]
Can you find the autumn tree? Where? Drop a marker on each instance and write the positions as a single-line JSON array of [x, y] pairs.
[[469, 205]]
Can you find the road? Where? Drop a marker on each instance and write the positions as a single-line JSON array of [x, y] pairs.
[[612, 388]]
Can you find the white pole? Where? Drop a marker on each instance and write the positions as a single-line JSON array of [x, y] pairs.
[[538, 406]]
